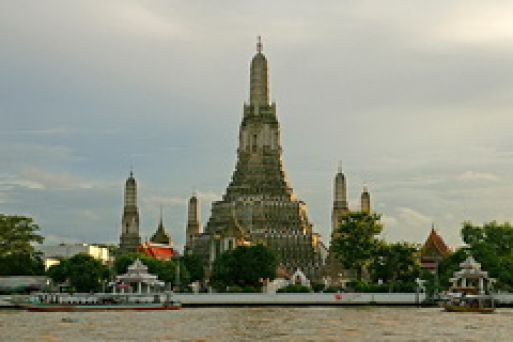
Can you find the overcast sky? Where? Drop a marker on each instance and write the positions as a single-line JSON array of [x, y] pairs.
[[414, 97]]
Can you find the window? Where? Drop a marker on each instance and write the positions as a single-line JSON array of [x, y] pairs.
[[254, 143]]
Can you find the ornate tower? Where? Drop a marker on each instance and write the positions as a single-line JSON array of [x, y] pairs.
[[365, 201], [130, 238], [193, 222], [161, 236], [259, 205], [340, 207]]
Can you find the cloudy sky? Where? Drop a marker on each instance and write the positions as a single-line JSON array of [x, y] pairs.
[[414, 97]]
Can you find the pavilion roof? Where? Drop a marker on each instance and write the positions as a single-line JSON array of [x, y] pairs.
[[137, 272]]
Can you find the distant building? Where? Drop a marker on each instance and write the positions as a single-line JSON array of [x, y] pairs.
[[161, 236], [193, 228], [160, 246], [365, 206], [340, 206], [158, 251], [130, 238], [433, 251], [334, 273], [53, 254]]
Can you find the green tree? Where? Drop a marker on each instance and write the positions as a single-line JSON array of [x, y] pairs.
[[83, 272], [17, 233], [396, 264], [492, 246], [22, 264], [244, 266], [355, 241], [194, 266], [448, 266], [17, 254]]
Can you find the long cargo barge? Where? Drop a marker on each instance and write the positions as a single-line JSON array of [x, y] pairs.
[[41, 307]]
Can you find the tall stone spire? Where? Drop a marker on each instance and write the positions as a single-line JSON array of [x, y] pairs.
[[130, 238], [365, 201], [340, 207], [259, 205], [193, 222], [259, 171], [259, 81]]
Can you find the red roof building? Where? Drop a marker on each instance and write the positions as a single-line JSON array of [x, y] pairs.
[[433, 251], [158, 251]]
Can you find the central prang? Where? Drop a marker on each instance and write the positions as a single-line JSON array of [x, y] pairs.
[[259, 205]]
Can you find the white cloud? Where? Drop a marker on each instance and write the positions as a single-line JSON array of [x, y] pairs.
[[55, 181], [478, 24], [155, 201], [413, 217], [135, 18], [89, 215], [473, 176], [50, 131], [8, 182], [208, 196], [24, 154], [53, 239]]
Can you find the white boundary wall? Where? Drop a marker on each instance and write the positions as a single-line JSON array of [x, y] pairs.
[[299, 298]]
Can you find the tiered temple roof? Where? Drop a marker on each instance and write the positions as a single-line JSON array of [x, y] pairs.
[[434, 250], [435, 243]]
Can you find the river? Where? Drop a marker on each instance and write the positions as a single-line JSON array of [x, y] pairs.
[[259, 324]]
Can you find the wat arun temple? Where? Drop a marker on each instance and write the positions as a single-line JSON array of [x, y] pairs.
[[259, 205]]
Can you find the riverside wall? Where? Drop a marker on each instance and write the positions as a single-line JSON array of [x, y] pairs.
[[299, 299], [283, 299]]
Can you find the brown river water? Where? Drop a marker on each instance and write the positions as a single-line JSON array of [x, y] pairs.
[[259, 324]]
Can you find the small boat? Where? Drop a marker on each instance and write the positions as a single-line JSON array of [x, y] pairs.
[[98, 302], [469, 302]]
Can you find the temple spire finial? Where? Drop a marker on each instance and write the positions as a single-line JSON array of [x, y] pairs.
[[161, 220], [259, 44]]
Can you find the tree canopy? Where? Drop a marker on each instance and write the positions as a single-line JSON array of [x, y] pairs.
[[194, 266], [21, 264], [492, 245], [83, 272], [355, 242], [17, 233], [395, 264], [244, 266], [17, 254]]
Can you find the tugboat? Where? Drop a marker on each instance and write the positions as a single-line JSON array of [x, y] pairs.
[[470, 290]]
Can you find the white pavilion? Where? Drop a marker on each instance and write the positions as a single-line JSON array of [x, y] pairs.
[[137, 277], [472, 276]]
